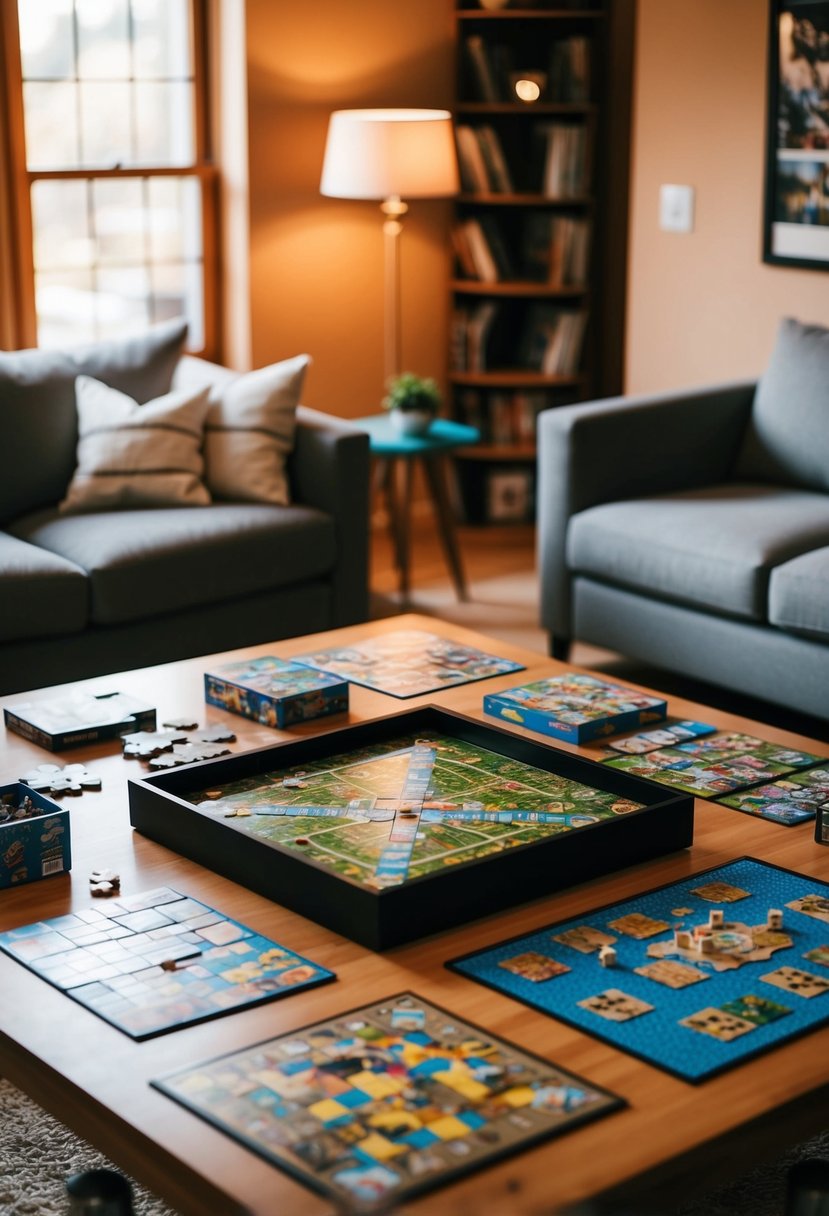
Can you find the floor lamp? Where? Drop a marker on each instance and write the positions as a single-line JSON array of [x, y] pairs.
[[390, 155]]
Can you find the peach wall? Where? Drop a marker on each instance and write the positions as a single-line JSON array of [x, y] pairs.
[[316, 264], [703, 306]]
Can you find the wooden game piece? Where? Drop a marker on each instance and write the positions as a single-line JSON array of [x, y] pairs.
[[715, 918], [683, 939], [242, 812], [706, 944], [607, 956], [774, 920]]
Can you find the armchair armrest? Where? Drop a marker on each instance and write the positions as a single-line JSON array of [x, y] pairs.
[[626, 447]]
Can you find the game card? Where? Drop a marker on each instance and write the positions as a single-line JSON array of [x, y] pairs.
[[534, 967], [756, 1009], [799, 983], [720, 893], [584, 938], [671, 974], [816, 906], [720, 1025], [615, 1005], [820, 955], [637, 925]]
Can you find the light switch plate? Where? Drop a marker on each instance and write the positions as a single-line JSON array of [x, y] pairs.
[[676, 208]]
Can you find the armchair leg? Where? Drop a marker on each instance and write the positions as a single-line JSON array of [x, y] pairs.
[[559, 648]]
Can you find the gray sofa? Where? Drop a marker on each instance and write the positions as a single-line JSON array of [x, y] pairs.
[[691, 529], [89, 594]]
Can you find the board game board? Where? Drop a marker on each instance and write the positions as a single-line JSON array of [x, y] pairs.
[[153, 962], [386, 1101], [356, 820], [718, 765], [409, 662], [703, 974]]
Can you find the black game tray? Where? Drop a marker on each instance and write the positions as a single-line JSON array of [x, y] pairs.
[[412, 823]]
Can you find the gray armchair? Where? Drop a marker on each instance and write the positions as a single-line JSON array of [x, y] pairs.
[[691, 529]]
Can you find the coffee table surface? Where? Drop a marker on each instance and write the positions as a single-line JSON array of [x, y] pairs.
[[673, 1138]]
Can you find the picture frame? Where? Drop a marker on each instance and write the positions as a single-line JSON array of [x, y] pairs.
[[796, 220]]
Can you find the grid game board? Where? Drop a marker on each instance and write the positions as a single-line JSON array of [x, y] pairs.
[[410, 807], [409, 662], [721, 764], [156, 961], [708, 972], [386, 1101]]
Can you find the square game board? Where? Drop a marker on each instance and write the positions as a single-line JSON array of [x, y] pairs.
[[156, 961], [383, 1102], [702, 974]]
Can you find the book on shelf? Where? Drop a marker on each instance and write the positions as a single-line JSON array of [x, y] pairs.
[[552, 340], [481, 251], [482, 69], [479, 325], [483, 166], [496, 163], [503, 418], [565, 170], [555, 249], [568, 78]]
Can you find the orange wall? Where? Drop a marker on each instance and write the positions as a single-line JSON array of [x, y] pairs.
[[703, 305], [316, 264]]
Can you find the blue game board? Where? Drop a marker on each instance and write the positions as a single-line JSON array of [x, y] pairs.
[[699, 1009], [158, 960]]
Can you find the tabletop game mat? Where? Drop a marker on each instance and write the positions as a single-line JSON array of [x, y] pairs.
[[382, 1102], [412, 806], [408, 663], [690, 1008], [738, 770], [156, 961]]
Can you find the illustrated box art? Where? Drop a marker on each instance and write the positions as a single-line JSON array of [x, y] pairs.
[[575, 707], [693, 977], [409, 824], [383, 1102], [274, 691], [35, 836]]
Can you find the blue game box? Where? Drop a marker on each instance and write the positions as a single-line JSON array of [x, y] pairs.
[[32, 848], [275, 691], [576, 707]]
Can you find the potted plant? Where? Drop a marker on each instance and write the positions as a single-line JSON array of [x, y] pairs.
[[413, 402]]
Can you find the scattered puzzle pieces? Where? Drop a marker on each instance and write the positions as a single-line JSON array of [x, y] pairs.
[[57, 781], [178, 745], [180, 724], [104, 882], [188, 753]]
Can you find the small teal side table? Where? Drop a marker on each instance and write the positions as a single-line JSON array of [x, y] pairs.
[[395, 453]]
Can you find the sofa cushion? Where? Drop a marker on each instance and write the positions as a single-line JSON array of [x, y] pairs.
[[37, 399], [43, 594], [147, 563], [711, 547], [787, 439], [132, 455], [799, 595], [249, 432]]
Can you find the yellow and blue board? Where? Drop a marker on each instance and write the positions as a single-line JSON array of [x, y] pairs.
[[693, 1011]]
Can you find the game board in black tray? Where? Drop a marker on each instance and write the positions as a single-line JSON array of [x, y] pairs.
[[409, 824], [408, 663], [158, 960], [381, 1103], [718, 765], [694, 977]]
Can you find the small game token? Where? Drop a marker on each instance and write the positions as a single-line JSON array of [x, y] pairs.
[[716, 918], [302, 840], [775, 918], [607, 956]]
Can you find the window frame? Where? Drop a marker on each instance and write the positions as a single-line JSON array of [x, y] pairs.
[[22, 179]]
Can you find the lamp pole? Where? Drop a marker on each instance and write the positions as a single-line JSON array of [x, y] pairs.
[[393, 209]]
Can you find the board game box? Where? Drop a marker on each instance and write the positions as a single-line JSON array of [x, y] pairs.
[[158, 960], [822, 824], [575, 708], [693, 977], [386, 1101], [409, 824], [35, 836], [409, 662], [274, 691], [79, 718]]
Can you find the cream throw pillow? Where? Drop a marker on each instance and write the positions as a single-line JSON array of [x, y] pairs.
[[250, 432], [132, 455]]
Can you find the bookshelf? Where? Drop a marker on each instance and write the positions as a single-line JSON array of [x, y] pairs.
[[537, 286]]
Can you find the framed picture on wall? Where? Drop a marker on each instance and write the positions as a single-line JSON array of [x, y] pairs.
[[796, 228]]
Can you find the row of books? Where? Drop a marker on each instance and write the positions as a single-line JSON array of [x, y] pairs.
[[562, 170], [493, 70], [553, 249], [503, 418], [550, 339]]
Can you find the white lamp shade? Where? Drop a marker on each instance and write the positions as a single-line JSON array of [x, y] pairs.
[[376, 154]]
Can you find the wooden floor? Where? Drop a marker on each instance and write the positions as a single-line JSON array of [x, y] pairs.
[[487, 553]]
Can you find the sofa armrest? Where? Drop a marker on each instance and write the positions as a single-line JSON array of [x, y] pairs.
[[626, 447], [329, 469]]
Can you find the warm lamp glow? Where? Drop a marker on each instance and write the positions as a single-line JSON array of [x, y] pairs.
[[527, 90], [382, 153]]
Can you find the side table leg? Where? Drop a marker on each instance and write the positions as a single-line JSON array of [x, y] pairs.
[[436, 476], [404, 514]]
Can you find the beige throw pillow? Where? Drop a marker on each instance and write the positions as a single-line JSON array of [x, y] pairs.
[[250, 433], [132, 455]]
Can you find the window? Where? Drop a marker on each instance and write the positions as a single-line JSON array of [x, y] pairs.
[[107, 104]]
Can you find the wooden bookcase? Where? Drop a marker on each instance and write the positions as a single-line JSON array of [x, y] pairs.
[[537, 293]]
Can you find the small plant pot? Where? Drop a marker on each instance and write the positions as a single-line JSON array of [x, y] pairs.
[[410, 422]]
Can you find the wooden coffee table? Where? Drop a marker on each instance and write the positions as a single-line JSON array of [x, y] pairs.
[[673, 1140]]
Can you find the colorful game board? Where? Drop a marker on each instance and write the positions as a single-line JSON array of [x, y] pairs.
[[386, 1101], [793, 799], [408, 662], [708, 972], [718, 764], [156, 961], [669, 734], [400, 810], [575, 707]]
